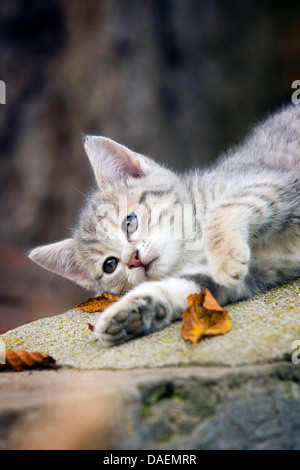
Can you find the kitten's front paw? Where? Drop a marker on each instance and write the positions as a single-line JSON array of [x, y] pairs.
[[230, 267], [129, 318]]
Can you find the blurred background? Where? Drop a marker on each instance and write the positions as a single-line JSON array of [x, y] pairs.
[[179, 80]]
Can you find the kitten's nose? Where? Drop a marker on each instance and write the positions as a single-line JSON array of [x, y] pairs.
[[135, 261]]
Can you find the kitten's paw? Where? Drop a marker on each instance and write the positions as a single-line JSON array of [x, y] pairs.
[[129, 318], [229, 268]]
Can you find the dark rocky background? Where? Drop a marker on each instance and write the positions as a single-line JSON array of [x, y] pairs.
[[178, 80]]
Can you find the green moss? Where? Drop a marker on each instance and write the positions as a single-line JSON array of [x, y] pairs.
[[13, 343], [164, 391], [146, 411], [164, 438], [161, 392]]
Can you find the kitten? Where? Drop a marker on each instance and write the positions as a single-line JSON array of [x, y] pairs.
[[247, 238]]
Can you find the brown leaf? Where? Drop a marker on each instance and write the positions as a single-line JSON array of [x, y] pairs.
[[98, 303], [204, 317], [20, 360], [91, 327]]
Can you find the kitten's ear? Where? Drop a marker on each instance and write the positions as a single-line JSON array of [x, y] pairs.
[[113, 162], [60, 258]]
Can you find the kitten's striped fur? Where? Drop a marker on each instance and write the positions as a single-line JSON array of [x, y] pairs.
[[251, 228]]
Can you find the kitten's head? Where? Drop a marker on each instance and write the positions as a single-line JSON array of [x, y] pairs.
[[125, 233]]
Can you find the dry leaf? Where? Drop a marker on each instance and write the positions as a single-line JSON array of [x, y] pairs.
[[204, 317], [20, 360], [91, 327], [98, 303]]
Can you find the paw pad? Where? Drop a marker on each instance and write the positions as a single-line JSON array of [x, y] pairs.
[[135, 327], [113, 330], [160, 312], [121, 316]]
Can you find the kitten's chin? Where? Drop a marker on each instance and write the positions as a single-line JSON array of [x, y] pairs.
[[157, 271], [142, 274], [153, 276], [153, 270]]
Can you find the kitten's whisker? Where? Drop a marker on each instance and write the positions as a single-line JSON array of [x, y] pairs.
[[79, 191]]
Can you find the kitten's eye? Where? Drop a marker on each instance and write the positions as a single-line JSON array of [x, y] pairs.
[[110, 265], [130, 224]]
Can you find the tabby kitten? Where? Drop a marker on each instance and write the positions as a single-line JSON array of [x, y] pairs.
[[245, 240]]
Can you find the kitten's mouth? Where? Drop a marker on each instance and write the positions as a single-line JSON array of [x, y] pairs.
[[136, 262], [148, 267]]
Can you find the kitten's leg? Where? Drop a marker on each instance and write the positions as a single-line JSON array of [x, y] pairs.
[[227, 248], [148, 308], [235, 224]]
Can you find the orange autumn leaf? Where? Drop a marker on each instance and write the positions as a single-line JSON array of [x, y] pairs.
[[204, 317], [20, 360], [98, 303]]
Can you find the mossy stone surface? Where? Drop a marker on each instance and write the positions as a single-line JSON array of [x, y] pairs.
[[264, 329]]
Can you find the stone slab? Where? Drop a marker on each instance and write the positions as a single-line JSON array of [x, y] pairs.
[[264, 329]]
